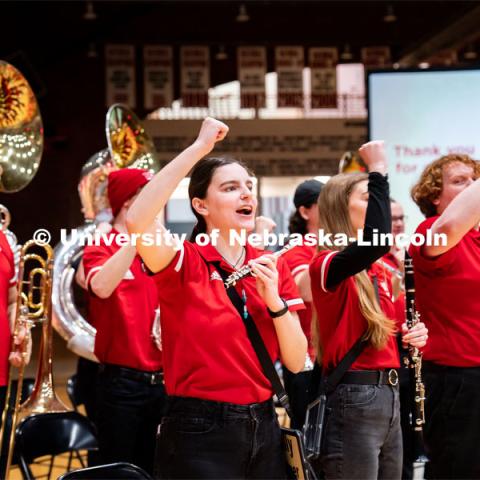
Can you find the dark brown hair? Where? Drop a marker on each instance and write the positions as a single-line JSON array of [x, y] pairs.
[[200, 179]]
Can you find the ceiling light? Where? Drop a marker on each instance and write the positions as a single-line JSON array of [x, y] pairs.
[[423, 65], [221, 54], [92, 50], [346, 55], [390, 16], [470, 53], [242, 14], [89, 12]]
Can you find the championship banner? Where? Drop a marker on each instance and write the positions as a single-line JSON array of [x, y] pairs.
[[289, 63], [195, 75], [157, 76], [374, 57], [252, 68], [323, 72], [445, 58], [120, 75]]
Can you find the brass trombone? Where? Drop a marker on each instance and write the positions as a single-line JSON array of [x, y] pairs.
[[33, 307]]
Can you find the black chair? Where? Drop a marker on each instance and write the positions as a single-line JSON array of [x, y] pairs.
[[112, 471], [52, 434]]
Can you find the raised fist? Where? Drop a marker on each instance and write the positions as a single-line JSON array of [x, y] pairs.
[[373, 154], [211, 132]]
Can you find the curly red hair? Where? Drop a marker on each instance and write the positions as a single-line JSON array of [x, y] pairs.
[[430, 185]]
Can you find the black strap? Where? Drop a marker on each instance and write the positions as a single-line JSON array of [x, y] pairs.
[[329, 384], [258, 345]]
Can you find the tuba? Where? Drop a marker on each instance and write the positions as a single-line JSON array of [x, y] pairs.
[[5, 219], [351, 162], [128, 146], [21, 131], [21, 147]]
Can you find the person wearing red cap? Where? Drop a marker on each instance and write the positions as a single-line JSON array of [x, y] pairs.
[[123, 306], [221, 420], [447, 277], [302, 221]]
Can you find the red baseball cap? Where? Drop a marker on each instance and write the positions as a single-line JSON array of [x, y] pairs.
[[124, 184]]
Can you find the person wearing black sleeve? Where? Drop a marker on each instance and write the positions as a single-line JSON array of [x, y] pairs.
[[352, 296], [355, 257]]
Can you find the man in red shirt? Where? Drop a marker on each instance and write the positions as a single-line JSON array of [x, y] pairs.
[[447, 277], [123, 306], [8, 299]]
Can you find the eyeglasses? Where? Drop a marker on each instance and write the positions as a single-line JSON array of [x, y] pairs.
[[400, 218]]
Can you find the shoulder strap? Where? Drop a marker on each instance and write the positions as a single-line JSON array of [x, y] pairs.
[[257, 343]]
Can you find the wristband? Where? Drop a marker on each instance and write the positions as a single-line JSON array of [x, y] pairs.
[[280, 312]]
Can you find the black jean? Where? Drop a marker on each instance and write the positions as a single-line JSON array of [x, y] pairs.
[[452, 428], [128, 414], [363, 438], [201, 439]]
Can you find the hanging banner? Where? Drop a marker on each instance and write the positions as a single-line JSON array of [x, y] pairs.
[[289, 63], [323, 72], [374, 57], [157, 76], [120, 75], [252, 68], [195, 75], [445, 58]]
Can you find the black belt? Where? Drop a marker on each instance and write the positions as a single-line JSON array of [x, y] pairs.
[[152, 378], [371, 377]]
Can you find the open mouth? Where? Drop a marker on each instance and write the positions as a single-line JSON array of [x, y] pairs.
[[245, 211]]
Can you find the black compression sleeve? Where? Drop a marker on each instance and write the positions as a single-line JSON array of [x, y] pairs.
[[356, 258]]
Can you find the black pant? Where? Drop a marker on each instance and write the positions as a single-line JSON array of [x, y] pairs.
[[128, 414], [201, 439], [452, 429], [87, 372], [363, 439]]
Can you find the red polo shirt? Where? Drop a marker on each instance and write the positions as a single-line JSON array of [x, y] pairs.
[[206, 350], [298, 260], [7, 280], [341, 322], [448, 299], [124, 320]]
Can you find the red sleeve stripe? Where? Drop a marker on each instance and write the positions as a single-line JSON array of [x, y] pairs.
[[179, 264], [91, 273], [299, 269], [294, 301], [323, 271]]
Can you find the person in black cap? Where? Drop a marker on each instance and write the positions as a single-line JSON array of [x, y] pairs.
[[302, 221]]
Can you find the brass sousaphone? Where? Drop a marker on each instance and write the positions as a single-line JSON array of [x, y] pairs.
[[129, 146], [21, 147]]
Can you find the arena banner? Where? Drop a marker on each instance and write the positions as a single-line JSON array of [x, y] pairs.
[[376, 57], [270, 147], [194, 75], [120, 75], [157, 76], [323, 73], [252, 68], [289, 63]]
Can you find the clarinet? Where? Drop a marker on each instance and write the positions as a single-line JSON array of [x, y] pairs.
[[246, 270], [414, 361]]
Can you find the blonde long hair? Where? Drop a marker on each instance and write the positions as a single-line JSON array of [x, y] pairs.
[[335, 219]]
